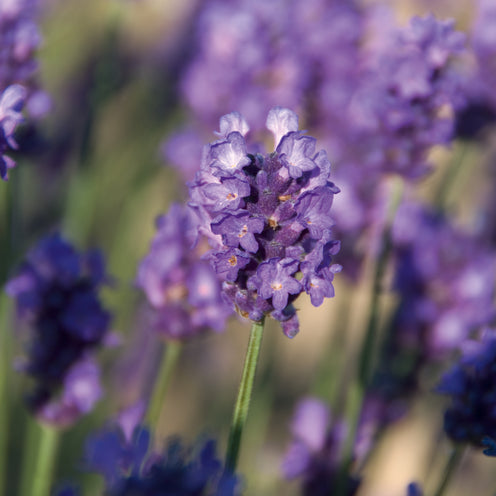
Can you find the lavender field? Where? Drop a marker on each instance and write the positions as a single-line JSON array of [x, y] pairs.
[[247, 247]]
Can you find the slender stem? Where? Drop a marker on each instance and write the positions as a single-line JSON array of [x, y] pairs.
[[358, 390], [244, 395], [4, 389], [168, 363], [368, 346], [45, 461], [450, 176], [451, 465]]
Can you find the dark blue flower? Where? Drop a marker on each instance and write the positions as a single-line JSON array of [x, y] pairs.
[[56, 291], [131, 467]]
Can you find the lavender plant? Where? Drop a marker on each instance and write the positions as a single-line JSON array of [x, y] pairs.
[[391, 103], [267, 218], [56, 291]]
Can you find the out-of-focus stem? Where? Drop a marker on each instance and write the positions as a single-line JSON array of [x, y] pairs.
[[366, 357], [369, 343], [451, 465], [4, 393], [450, 176], [168, 363], [244, 396], [45, 461]]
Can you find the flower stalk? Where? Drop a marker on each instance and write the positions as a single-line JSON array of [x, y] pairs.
[[45, 461], [169, 359], [244, 396]]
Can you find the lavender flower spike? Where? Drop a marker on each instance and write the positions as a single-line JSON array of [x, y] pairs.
[[272, 218], [56, 291], [182, 289]]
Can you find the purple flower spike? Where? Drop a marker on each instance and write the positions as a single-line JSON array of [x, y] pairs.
[[280, 122], [81, 391], [314, 453], [183, 289], [274, 280], [272, 215], [56, 291]]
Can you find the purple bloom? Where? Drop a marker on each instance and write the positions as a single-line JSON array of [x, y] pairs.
[[470, 385], [230, 262], [229, 155], [56, 291], [274, 280], [11, 102], [19, 39], [239, 230], [314, 454], [81, 391], [281, 228], [132, 467], [414, 489], [491, 446], [228, 194], [312, 208], [296, 153], [183, 289], [447, 290], [280, 122]]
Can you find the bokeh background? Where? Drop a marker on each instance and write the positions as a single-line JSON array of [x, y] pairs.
[[93, 168]]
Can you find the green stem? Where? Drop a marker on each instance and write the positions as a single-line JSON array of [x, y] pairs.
[[168, 363], [451, 465], [450, 176], [244, 395], [45, 461], [358, 390], [369, 343], [4, 389]]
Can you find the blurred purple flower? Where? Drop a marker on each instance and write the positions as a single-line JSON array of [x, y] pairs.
[[446, 287], [131, 467], [11, 102], [19, 40], [56, 291], [470, 384], [315, 452], [183, 290]]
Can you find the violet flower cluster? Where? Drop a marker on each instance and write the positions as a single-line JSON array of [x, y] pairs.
[[56, 292], [268, 218], [479, 110], [445, 279], [183, 290], [130, 467], [19, 40], [471, 387], [381, 102], [315, 452]]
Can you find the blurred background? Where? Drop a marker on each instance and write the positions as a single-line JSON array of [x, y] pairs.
[[94, 168]]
